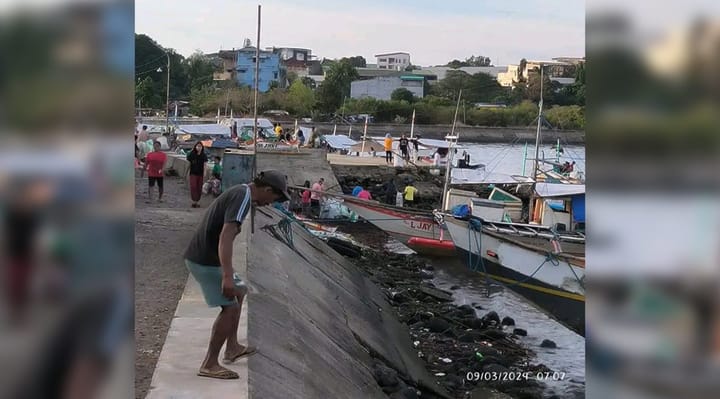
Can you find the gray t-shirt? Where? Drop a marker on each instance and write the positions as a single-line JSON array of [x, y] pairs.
[[231, 206]]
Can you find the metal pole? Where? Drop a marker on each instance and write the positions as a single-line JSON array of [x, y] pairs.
[[450, 154], [524, 158], [167, 97], [255, 110], [539, 125], [362, 150]]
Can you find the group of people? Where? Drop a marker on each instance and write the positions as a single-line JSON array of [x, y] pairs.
[[287, 137], [153, 163], [311, 197], [391, 194], [403, 145]]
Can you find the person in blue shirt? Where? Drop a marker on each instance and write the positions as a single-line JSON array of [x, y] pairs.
[[356, 191]]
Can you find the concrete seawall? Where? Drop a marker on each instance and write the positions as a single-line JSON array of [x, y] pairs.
[[319, 323]]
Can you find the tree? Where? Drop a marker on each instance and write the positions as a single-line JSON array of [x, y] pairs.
[[336, 85], [456, 64], [357, 61], [291, 77], [145, 93], [199, 70], [402, 94], [309, 82], [533, 87], [300, 99], [478, 61]]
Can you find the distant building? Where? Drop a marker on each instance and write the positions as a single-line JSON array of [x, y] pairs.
[[294, 59], [441, 72], [382, 88], [239, 65], [561, 70], [395, 61]]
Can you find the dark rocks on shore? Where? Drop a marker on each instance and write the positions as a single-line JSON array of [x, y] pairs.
[[455, 287], [437, 325], [507, 321], [491, 317], [440, 330], [520, 332], [548, 344]]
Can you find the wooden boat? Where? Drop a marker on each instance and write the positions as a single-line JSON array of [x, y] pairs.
[[417, 229], [544, 261], [546, 268]]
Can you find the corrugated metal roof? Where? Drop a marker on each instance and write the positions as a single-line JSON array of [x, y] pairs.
[[207, 129], [339, 141]]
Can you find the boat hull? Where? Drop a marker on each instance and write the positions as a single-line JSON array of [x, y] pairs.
[[404, 225], [557, 288]]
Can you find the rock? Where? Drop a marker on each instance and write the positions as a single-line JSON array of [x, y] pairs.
[[400, 297], [478, 307], [548, 344], [426, 274], [467, 310], [507, 321], [385, 376], [489, 351], [470, 336], [491, 316], [437, 325], [524, 392], [520, 332], [455, 287], [493, 334], [430, 268], [473, 322]]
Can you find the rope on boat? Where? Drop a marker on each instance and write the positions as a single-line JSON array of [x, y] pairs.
[[549, 257]]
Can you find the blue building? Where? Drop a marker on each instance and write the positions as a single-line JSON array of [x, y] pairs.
[[270, 69]]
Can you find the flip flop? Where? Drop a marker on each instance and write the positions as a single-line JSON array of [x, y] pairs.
[[249, 351], [223, 374]]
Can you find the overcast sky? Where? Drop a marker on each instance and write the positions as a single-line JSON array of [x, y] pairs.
[[433, 32]]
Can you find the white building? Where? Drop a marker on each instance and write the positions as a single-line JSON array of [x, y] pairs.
[[397, 61], [382, 88]]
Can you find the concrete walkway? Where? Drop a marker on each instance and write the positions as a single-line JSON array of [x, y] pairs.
[[186, 343]]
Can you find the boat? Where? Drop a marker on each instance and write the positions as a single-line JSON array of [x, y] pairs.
[[544, 266], [417, 229]]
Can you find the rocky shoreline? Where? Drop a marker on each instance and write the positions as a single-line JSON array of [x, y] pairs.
[[469, 356]]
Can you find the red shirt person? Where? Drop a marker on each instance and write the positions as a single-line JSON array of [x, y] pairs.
[[155, 162]]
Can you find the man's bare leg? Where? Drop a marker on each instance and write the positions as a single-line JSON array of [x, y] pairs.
[[221, 329], [233, 347]]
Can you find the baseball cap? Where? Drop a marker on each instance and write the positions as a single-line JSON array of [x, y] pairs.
[[277, 180]]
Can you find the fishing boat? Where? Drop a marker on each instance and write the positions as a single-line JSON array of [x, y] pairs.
[[545, 266], [417, 229], [543, 260]]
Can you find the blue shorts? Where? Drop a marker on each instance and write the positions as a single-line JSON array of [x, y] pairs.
[[210, 280]]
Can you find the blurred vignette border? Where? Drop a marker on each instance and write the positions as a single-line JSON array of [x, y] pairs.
[[66, 198], [654, 238]]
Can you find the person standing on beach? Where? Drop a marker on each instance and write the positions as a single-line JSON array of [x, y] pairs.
[[404, 142], [388, 148], [209, 260], [197, 159], [409, 195], [316, 195], [155, 164]]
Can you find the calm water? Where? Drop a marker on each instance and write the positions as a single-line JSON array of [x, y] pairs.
[[568, 357], [508, 158]]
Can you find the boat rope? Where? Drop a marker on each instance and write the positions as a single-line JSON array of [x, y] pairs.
[[475, 225]]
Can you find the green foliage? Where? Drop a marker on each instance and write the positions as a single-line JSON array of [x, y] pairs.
[[300, 99], [568, 117], [357, 61], [476, 88], [203, 100], [402, 94], [308, 82], [336, 85], [473, 61], [292, 77]]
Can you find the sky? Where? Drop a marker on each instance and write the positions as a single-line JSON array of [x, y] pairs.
[[433, 32]]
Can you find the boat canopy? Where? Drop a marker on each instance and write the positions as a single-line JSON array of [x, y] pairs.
[[548, 190], [368, 145], [339, 141], [432, 143], [212, 129], [481, 176]]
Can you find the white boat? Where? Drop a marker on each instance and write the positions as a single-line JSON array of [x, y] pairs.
[[543, 261]]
